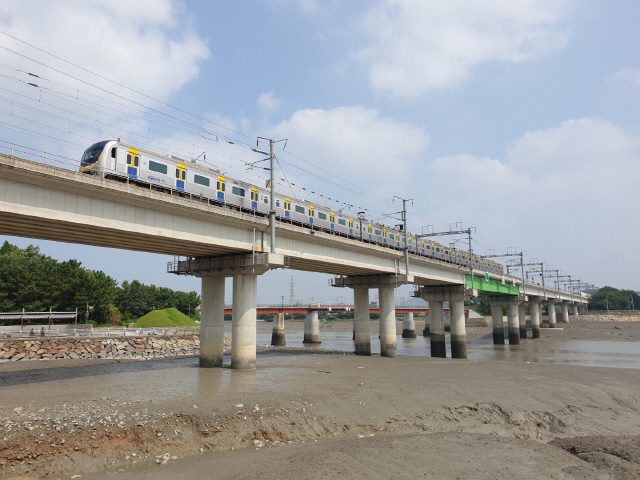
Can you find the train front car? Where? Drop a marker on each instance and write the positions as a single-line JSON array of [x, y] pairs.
[[93, 158]]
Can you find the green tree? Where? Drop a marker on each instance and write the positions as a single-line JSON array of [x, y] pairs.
[[615, 298]]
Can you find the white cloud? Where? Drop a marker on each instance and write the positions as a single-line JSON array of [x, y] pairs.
[[147, 45], [569, 193], [355, 141], [628, 74], [418, 46], [267, 101]]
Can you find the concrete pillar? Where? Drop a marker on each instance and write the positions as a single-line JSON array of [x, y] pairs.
[[243, 339], [212, 322], [575, 310], [277, 337], [427, 320], [311, 328], [522, 320], [436, 321], [361, 321], [513, 323], [386, 296], [408, 326], [551, 307], [565, 312], [498, 324], [535, 318], [458, 329]]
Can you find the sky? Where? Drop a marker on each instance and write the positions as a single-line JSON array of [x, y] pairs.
[[518, 118]]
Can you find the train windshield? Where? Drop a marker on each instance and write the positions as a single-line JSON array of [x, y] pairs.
[[92, 153]]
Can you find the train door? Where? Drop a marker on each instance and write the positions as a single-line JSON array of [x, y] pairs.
[[384, 236], [422, 246], [351, 226], [220, 187], [332, 219], [181, 176], [287, 208], [312, 214], [398, 239], [369, 232], [254, 198], [133, 160], [410, 243]]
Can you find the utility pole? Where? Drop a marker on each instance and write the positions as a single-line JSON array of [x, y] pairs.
[[513, 254], [272, 203], [456, 232], [406, 243]]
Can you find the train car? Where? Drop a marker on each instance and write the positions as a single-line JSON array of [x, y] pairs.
[[114, 159]]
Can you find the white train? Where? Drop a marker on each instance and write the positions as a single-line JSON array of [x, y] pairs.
[[116, 160]]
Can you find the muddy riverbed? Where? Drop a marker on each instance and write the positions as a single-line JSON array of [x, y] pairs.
[[309, 414]]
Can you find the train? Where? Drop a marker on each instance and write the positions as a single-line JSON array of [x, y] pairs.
[[116, 160]]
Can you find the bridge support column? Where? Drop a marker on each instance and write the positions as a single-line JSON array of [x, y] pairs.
[[243, 339], [534, 305], [564, 308], [575, 311], [212, 322], [458, 327], [361, 321], [497, 320], [311, 328], [436, 296], [408, 326], [277, 336], [386, 296], [551, 307], [513, 323], [427, 325], [436, 327], [522, 319]]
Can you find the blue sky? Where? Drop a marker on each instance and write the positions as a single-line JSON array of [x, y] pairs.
[[516, 117]]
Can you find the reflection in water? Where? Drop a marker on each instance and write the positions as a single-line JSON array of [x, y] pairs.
[[574, 352]]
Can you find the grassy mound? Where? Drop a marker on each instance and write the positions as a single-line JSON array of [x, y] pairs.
[[169, 317]]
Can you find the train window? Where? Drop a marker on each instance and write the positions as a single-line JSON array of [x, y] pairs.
[[342, 221], [113, 152], [157, 167], [277, 203], [135, 161], [237, 191], [299, 209], [322, 216], [357, 226], [128, 159], [266, 200], [178, 173], [377, 232], [199, 179]]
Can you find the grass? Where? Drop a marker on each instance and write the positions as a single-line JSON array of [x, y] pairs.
[[169, 317]]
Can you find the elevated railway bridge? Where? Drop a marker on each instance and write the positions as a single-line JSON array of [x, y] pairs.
[[51, 203]]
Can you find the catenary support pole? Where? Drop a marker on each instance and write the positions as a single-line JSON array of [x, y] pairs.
[[388, 335], [243, 337], [212, 322]]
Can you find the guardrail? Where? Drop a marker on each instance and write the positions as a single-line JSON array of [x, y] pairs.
[[25, 334]]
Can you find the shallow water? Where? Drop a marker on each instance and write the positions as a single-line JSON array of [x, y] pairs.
[[575, 352]]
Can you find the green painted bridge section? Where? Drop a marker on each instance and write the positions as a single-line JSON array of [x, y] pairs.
[[491, 286]]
